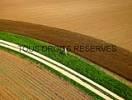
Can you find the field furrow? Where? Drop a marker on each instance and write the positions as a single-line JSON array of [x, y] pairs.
[[23, 80]]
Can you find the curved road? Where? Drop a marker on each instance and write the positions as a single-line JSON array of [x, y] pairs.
[[82, 80]]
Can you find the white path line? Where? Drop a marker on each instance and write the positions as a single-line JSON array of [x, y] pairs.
[[53, 64]]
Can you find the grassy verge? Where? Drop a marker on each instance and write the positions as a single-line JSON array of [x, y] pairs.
[[74, 63]]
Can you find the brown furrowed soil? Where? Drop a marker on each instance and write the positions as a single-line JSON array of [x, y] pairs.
[[108, 20], [119, 62], [23, 80]]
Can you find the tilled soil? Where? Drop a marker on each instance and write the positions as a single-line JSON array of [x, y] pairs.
[[108, 20], [23, 80], [119, 61]]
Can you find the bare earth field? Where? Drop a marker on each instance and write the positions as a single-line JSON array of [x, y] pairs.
[[108, 20], [23, 80]]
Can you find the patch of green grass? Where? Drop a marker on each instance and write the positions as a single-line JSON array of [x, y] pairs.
[[74, 63]]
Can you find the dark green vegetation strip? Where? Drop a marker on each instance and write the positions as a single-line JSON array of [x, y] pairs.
[[74, 63]]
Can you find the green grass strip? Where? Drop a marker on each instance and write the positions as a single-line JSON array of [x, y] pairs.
[[75, 63]]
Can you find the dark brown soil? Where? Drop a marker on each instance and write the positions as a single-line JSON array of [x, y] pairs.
[[119, 61]]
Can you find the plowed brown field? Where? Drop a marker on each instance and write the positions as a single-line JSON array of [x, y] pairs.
[[109, 20], [22, 80], [119, 62]]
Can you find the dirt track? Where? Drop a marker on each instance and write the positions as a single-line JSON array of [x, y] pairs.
[[23, 80], [108, 20]]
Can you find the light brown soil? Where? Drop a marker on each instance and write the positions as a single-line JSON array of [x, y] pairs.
[[23, 80], [108, 20]]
